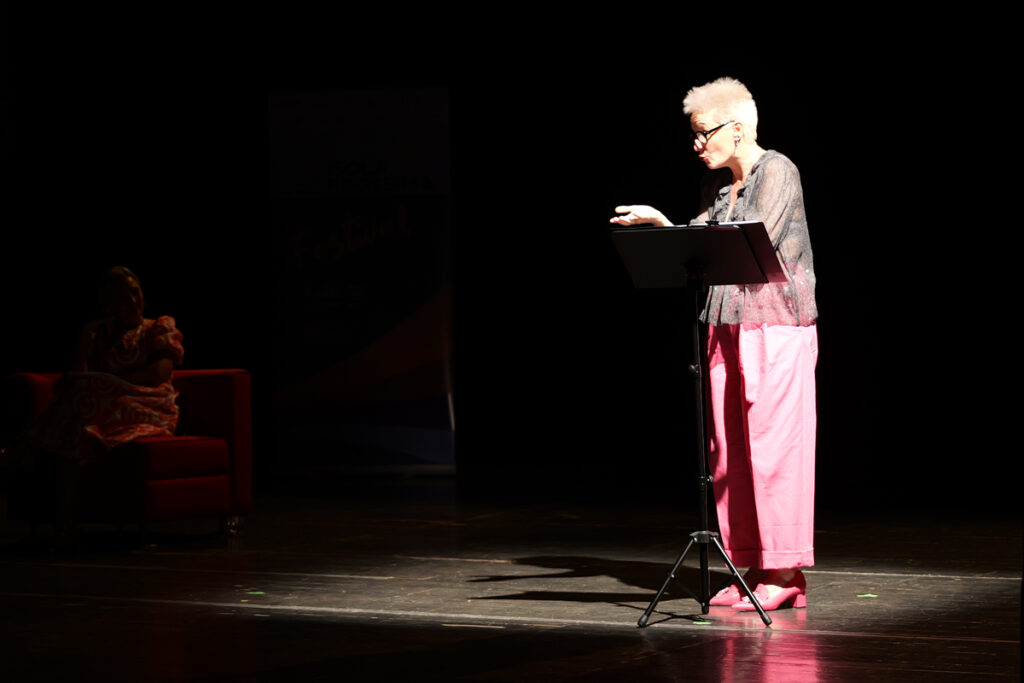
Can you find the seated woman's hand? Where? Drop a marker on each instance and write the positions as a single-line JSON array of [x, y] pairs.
[[638, 214], [86, 341], [155, 373]]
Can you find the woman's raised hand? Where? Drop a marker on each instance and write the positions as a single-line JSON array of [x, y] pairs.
[[85, 343], [637, 214]]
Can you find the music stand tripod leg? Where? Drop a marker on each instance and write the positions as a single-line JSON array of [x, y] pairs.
[[661, 591], [743, 584]]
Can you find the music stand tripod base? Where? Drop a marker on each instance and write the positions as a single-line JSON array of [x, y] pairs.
[[703, 538]]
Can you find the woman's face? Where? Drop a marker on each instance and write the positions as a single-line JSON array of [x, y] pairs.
[[126, 302], [720, 146]]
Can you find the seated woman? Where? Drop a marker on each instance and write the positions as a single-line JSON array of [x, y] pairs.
[[117, 387]]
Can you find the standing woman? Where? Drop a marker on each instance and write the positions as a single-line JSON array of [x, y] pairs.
[[762, 350]]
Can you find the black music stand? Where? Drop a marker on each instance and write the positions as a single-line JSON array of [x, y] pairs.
[[698, 256]]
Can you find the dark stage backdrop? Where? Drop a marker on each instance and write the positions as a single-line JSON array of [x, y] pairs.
[[399, 236], [360, 185]]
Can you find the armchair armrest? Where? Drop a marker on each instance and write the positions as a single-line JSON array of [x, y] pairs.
[[218, 403]]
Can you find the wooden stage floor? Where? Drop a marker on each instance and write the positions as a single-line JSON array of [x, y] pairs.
[[402, 582]]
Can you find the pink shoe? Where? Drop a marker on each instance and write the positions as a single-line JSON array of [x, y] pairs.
[[732, 593], [793, 594], [729, 595]]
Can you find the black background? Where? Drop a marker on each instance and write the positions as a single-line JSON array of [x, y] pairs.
[[143, 140]]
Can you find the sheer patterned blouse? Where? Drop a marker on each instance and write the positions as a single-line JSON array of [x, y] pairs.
[[773, 195]]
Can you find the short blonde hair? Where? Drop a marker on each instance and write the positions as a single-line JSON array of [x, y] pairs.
[[724, 99]]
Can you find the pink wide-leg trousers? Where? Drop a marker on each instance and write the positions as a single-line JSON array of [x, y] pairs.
[[762, 396]]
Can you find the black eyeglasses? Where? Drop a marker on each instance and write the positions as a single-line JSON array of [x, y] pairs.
[[705, 135]]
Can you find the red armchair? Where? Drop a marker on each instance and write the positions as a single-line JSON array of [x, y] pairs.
[[204, 470]]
